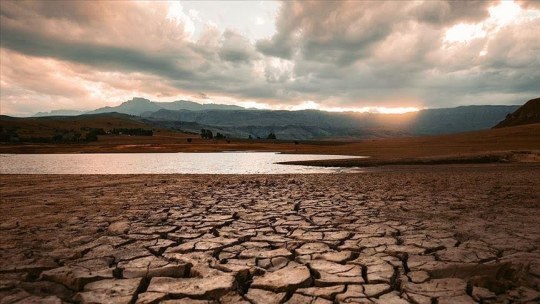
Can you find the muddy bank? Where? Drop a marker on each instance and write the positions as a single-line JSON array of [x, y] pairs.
[[477, 158], [454, 234]]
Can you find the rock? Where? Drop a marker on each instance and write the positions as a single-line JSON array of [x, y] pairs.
[[211, 287], [375, 290], [286, 279], [450, 287], [152, 266], [46, 288], [265, 254], [464, 299], [418, 276], [301, 299], [260, 296], [353, 293], [117, 228], [329, 273], [75, 277], [524, 294], [482, 294], [378, 270], [233, 298], [150, 297], [311, 248], [109, 291], [322, 292], [391, 298]]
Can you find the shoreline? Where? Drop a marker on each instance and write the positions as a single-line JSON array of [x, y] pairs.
[[477, 158]]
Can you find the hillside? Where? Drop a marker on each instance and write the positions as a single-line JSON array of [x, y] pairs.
[[138, 106], [529, 113], [45, 127], [239, 122], [311, 124]]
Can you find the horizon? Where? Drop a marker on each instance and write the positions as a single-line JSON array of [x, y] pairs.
[[365, 110], [382, 57]]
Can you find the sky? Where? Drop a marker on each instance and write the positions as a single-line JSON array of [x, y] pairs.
[[379, 56]]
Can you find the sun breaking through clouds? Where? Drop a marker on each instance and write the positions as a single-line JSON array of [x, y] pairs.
[[390, 56]]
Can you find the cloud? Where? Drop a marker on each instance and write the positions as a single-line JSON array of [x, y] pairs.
[[337, 54]]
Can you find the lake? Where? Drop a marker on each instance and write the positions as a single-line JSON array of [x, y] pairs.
[[164, 163]]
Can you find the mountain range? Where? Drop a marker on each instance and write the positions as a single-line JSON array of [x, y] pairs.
[[237, 121], [137, 106]]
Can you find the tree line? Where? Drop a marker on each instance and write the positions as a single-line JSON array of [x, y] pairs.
[[69, 136]]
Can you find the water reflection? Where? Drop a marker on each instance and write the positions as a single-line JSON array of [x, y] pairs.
[[158, 163]]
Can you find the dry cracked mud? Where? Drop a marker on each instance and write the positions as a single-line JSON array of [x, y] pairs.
[[441, 234]]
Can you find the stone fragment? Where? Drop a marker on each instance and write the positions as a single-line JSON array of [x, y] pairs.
[[418, 298], [311, 248], [152, 266], [378, 270], [330, 273], [324, 292], [352, 294], [233, 298], [210, 287], [75, 277], [150, 297], [463, 299], [375, 290], [524, 294], [286, 279], [260, 296], [109, 291], [450, 287], [418, 276], [391, 298], [482, 294], [302, 299], [265, 254], [117, 228]]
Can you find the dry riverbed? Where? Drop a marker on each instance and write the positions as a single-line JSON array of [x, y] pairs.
[[415, 234]]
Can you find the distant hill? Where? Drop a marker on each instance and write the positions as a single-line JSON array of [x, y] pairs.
[[59, 113], [138, 106], [135, 107], [529, 113], [194, 106], [309, 124], [305, 124], [47, 126]]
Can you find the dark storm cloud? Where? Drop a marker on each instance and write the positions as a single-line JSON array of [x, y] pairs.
[[104, 57], [448, 12]]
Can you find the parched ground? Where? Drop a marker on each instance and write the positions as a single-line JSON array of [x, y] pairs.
[[432, 234]]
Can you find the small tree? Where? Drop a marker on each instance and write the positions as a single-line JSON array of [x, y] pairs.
[[271, 136], [91, 136], [206, 134], [189, 140]]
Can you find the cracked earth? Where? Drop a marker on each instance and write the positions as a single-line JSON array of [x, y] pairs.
[[445, 234]]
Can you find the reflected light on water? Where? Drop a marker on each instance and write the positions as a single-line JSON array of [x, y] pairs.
[[163, 163]]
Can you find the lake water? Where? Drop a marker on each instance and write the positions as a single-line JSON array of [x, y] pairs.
[[163, 163]]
